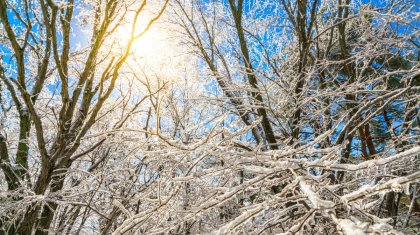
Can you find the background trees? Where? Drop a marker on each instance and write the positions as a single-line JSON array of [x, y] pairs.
[[285, 117]]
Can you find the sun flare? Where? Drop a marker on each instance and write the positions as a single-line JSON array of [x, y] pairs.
[[146, 46], [156, 52]]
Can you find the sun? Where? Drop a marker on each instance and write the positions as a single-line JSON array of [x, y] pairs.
[[157, 52], [146, 46]]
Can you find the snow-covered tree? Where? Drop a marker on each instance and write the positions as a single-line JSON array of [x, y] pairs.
[[233, 117]]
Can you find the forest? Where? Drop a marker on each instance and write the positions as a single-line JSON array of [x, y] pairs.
[[209, 117]]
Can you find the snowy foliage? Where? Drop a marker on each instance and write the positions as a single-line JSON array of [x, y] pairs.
[[256, 117]]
